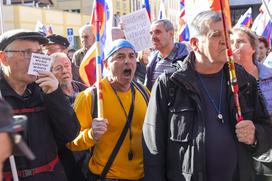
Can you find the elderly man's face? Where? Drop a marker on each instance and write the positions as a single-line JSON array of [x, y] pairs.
[[161, 38], [61, 68], [15, 60], [87, 38], [5, 150], [212, 46], [121, 66]]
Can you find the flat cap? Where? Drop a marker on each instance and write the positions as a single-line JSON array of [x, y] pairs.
[[58, 39], [20, 34]]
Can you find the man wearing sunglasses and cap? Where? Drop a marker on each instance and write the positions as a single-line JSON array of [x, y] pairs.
[[10, 140], [51, 121]]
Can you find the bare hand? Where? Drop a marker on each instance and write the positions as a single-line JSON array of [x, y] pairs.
[[245, 132], [99, 127], [47, 81]]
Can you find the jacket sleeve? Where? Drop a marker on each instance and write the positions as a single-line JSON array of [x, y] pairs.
[[262, 121], [155, 134], [83, 107], [62, 117]]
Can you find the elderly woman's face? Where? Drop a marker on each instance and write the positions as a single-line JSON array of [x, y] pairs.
[[5, 150], [240, 41]]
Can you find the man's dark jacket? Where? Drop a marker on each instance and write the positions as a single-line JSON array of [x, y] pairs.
[[174, 129], [51, 122], [180, 53]]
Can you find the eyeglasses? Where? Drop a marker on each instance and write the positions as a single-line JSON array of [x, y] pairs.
[[27, 53]]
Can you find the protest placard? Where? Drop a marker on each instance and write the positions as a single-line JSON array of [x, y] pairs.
[[39, 62], [137, 28]]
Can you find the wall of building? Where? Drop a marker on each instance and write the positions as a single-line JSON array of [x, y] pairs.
[[19, 17]]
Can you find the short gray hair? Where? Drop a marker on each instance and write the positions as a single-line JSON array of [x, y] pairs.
[[57, 55], [199, 24], [167, 24], [87, 27]]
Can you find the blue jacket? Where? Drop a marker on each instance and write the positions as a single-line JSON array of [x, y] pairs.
[[180, 54], [265, 82]]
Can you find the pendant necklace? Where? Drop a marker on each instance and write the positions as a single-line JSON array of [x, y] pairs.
[[217, 108]]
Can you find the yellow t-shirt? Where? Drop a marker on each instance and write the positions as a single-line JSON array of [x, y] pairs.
[[122, 167]]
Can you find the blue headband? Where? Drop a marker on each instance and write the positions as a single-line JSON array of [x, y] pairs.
[[116, 45]]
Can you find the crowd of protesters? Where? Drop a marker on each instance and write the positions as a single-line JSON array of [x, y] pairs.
[[168, 111]]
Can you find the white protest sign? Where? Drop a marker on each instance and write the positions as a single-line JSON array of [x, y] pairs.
[[39, 62], [137, 28]]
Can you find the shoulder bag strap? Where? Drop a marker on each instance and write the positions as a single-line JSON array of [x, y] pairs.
[[121, 138]]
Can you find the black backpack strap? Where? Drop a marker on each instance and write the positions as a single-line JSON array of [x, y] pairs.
[[172, 88], [142, 90]]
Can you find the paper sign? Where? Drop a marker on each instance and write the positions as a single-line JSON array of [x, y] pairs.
[[39, 62], [137, 28]]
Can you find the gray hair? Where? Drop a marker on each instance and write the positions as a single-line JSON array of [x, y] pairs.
[[89, 28], [253, 39], [167, 24], [57, 55], [199, 24]]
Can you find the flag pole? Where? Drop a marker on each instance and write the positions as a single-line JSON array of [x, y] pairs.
[[1, 17], [98, 63], [232, 71]]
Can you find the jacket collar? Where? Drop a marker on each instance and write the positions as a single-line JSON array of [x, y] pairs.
[[186, 74]]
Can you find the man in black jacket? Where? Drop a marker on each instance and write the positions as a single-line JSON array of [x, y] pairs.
[[190, 130], [51, 120]]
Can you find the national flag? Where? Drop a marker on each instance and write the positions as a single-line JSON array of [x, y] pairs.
[[184, 34], [245, 19], [262, 24], [87, 69], [194, 7], [40, 27], [50, 30], [162, 13], [147, 7]]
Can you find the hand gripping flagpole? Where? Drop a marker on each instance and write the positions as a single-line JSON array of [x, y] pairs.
[[98, 62], [232, 71]]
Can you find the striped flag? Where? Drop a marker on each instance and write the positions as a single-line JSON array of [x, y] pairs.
[[147, 7], [184, 34], [162, 13], [262, 24], [87, 69], [245, 19]]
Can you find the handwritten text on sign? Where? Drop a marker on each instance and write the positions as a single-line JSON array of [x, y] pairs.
[[137, 28]]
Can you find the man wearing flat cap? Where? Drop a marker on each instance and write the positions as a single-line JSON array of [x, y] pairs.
[[60, 44], [56, 43], [124, 105], [51, 121]]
